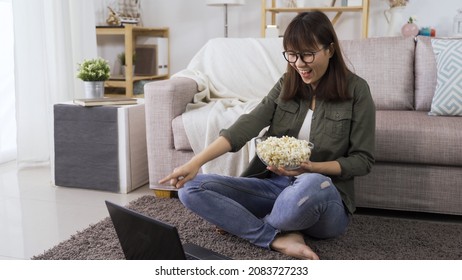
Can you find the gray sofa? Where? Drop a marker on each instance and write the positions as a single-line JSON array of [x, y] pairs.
[[418, 156]]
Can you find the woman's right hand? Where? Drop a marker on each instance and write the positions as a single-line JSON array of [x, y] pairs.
[[189, 170], [181, 175]]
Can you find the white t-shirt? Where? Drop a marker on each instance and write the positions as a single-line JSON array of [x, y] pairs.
[[304, 133]]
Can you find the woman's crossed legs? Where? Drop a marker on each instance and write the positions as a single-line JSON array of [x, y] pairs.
[[271, 213]]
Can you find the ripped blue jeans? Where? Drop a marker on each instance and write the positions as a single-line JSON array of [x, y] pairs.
[[258, 209]]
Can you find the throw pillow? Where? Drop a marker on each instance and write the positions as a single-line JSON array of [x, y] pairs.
[[447, 100]]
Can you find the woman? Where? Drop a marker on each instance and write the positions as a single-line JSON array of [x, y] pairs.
[[318, 99]]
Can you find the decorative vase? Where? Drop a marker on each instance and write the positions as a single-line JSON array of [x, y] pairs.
[[94, 89], [395, 19], [410, 29]]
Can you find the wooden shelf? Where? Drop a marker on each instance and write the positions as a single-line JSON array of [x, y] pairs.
[[130, 32], [308, 9], [129, 28], [273, 10]]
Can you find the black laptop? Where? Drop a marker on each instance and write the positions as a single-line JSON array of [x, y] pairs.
[[145, 238]]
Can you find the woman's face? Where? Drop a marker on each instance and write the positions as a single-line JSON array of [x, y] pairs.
[[311, 64]]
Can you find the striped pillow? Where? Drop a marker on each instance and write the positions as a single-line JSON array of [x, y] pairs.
[[447, 100]]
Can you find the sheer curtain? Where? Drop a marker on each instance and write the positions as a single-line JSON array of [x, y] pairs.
[[51, 37], [7, 111]]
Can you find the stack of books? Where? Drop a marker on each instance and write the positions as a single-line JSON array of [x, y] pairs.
[[105, 101]]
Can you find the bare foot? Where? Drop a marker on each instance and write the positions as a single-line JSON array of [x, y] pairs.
[[293, 244]]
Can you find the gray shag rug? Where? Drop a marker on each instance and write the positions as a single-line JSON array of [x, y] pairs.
[[369, 237]]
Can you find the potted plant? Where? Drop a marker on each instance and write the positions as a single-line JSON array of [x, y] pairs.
[[93, 72], [121, 57]]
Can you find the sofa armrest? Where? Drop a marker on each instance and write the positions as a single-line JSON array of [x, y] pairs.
[[164, 101]]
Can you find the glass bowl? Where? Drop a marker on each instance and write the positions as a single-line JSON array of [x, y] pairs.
[[287, 152]]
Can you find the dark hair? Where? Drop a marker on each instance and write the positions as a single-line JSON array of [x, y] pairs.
[[310, 30]]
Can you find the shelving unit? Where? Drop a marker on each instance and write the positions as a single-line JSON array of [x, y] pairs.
[[130, 32], [273, 11]]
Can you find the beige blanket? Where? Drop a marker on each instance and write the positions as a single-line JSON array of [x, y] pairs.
[[233, 75]]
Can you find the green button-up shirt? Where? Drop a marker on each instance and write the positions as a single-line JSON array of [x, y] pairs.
[[342, 131]]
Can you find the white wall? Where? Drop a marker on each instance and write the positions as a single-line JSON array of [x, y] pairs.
[[192, 22]]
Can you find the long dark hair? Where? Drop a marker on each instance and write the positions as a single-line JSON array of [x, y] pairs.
[[310, 30]]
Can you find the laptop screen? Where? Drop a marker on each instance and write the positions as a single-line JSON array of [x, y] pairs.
[[144, 238]]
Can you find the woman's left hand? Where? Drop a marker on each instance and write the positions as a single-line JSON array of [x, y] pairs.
[[281, 171]]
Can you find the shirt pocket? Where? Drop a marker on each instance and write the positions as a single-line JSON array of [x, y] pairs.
[[338, 123], [283, 119]]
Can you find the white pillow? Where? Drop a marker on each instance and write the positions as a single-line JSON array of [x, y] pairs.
[[447, 100]]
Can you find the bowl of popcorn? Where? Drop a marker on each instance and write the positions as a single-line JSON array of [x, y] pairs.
[[286, 151]]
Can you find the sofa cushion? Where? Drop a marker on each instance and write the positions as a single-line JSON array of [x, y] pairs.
[[387, 64], [425, 73], [448, 95], [414, 137], [180, 139]]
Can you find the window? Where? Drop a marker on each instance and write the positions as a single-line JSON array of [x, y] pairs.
[[7, 94]]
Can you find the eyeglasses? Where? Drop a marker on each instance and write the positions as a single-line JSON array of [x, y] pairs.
[[307, 57]]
